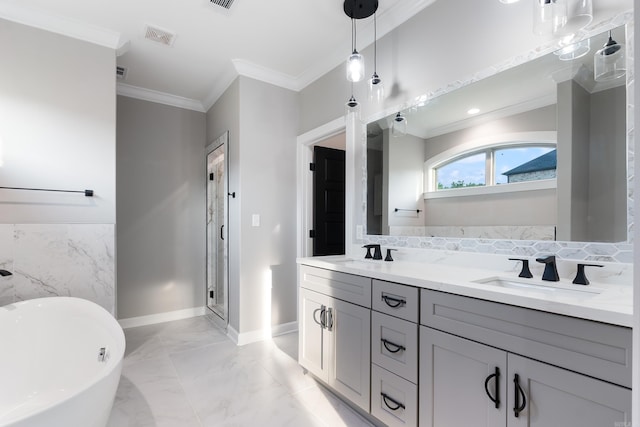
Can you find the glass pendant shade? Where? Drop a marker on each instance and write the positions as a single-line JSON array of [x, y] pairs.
[[355, 67], [609, 63], [399, 126], [542, 17], [574, 51], [376, 89], [569, 16]]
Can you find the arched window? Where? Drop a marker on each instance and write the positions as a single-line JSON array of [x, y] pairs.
[[495, 161]]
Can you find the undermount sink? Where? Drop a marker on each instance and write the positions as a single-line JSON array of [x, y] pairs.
[[535, 286]]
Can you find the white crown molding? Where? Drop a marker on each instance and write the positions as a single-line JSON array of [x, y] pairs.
[[267, 75], [33, 17], [221, 84], [159, 97]]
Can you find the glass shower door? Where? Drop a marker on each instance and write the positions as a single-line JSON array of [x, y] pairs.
[[216, 230]]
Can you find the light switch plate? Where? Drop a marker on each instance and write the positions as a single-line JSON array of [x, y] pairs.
[[255, 220]]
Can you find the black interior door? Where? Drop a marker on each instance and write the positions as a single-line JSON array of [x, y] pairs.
[[328, 205]]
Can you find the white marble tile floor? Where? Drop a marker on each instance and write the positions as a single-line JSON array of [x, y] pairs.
[[188, 373]]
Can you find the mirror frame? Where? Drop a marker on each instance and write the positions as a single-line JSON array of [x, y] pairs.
[[590, 251]]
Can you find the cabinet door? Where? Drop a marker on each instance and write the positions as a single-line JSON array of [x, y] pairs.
[[462, 383], [313, 343], [350, 327], [554, 397]]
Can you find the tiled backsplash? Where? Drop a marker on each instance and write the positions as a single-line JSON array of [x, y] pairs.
[[75, 260]]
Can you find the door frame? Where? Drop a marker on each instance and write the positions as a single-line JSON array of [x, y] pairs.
[[304, 184], [222, 140]]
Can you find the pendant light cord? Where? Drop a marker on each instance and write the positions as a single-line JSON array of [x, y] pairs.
[[354, 34], [375, 44]]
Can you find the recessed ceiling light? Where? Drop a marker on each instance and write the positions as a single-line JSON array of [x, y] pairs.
[[473, 111]]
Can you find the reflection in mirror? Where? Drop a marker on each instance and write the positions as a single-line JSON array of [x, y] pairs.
[[537, 152]]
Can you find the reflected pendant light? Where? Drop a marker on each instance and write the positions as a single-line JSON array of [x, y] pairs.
[[399, 126], [609, 62], [574, 51], [376, 89], [561, 17], [570, 16]]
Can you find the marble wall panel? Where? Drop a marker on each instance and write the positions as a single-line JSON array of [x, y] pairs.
[[58, 260]]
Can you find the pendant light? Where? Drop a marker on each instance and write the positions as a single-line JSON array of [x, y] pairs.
[[561, 17], [574, 51], [570, 16], [355, 62], [376, 89], [353, 106], [399, 126], [609, 62]]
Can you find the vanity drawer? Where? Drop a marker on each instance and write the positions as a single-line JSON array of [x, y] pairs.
[[389, 393], [347, 287], [394, 345], [592, 348], [395, 299]]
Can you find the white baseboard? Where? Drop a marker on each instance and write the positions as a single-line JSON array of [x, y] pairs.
[[245, 338], [284, 328], [152, 319]]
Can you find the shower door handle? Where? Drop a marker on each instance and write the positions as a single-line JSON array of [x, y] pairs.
[[222, 232]]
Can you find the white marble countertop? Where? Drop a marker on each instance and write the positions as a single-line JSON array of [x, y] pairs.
[[602, 302]]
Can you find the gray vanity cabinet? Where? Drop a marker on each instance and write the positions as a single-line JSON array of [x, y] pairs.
[[453, 374], [335, 335], [469, 346], [558, 397]]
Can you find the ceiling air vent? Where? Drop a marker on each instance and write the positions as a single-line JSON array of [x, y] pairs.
[[224, 3], [159, 35], [121, 72]]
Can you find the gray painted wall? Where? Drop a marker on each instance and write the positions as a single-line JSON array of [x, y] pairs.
[[607, 211], [161, 171], [56, 130], [262, 173]]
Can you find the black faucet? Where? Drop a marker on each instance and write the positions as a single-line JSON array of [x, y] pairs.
[[550, 269], [377, 251], [4, 273]]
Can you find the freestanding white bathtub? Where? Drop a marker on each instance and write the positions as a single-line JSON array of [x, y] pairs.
[[53, 371]]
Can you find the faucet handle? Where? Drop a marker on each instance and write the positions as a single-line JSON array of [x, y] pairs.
[[525, 272], [368, 247], [581, 278], [388, 257]]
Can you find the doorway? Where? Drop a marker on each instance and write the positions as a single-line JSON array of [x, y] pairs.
[[328, 201], [217, 228]]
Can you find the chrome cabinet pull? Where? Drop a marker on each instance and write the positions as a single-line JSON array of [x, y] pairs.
[[322, 321], [329, 313], [388, 343], [386, 399], [393, 302], [495, 399]]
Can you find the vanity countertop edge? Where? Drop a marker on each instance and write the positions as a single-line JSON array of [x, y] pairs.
[[614, 305]]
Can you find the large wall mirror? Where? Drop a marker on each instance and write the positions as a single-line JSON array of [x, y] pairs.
[[536, 152]]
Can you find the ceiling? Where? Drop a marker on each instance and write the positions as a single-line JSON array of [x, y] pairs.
[[289, 43]]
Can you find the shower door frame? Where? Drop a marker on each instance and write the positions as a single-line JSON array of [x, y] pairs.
[[221, 141]]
